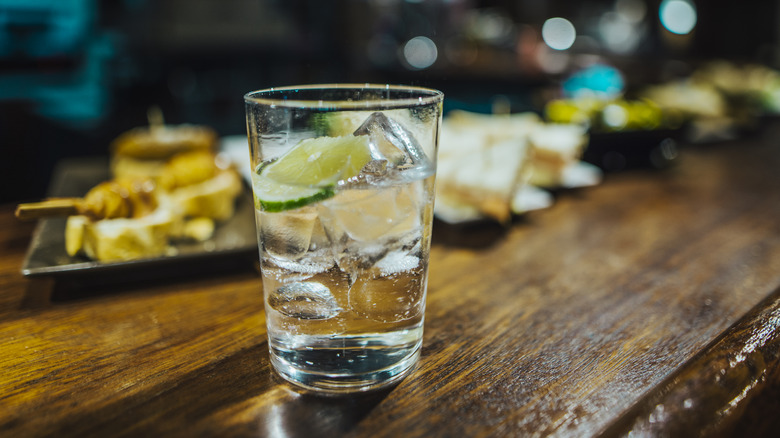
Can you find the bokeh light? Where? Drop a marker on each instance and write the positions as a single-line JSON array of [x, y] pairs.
[[618, 33], [678, 16], [420, 52], [558, 33], [615, 116]]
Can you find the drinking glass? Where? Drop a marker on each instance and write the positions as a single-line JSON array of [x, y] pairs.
[[343, 181]]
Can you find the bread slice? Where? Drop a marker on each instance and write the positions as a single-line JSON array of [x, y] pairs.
[[479, 171], [490, 165], [498, 127], [555, 147]]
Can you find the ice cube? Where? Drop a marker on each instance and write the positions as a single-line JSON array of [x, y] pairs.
[[373, 173], [295, 241], [390, 291], [372, 214], [392, 142], [304, 300], [286, 235], [319, 239], [356, 257], [336, 280], [397, 261], [277, 274]]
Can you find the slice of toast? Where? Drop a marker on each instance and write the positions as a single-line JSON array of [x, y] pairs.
[[555, 147], [480, 171], [489, 164]]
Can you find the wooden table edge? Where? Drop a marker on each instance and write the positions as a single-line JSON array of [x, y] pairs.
[[712, 392]]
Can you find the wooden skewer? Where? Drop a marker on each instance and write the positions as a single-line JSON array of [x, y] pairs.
[[49, 207], [155, 117]]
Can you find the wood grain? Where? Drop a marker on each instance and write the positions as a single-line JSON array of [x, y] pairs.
[[711, 394], [570, 322]]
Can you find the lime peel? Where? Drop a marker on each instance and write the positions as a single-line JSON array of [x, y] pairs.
[[274, 206]]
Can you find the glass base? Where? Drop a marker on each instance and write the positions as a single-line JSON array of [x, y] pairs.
[[355, 367]]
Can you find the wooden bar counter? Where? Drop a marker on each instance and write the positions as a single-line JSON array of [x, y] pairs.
[[646, 305]]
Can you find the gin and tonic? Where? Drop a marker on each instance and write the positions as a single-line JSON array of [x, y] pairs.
[[343, 180]]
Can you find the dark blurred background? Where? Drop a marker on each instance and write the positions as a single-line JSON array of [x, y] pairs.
[[74, 74]]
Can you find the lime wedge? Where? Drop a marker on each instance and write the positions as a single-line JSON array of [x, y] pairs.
[[321, 161], [272, 196], [308, 172]]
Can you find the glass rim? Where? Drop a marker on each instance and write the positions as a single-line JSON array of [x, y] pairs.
[[425, 96]]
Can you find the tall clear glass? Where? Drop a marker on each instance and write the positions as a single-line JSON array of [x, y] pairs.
[[343, 179]]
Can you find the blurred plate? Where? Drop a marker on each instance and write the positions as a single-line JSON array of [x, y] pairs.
[[576, 175], [527, 198], [46, 255]]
